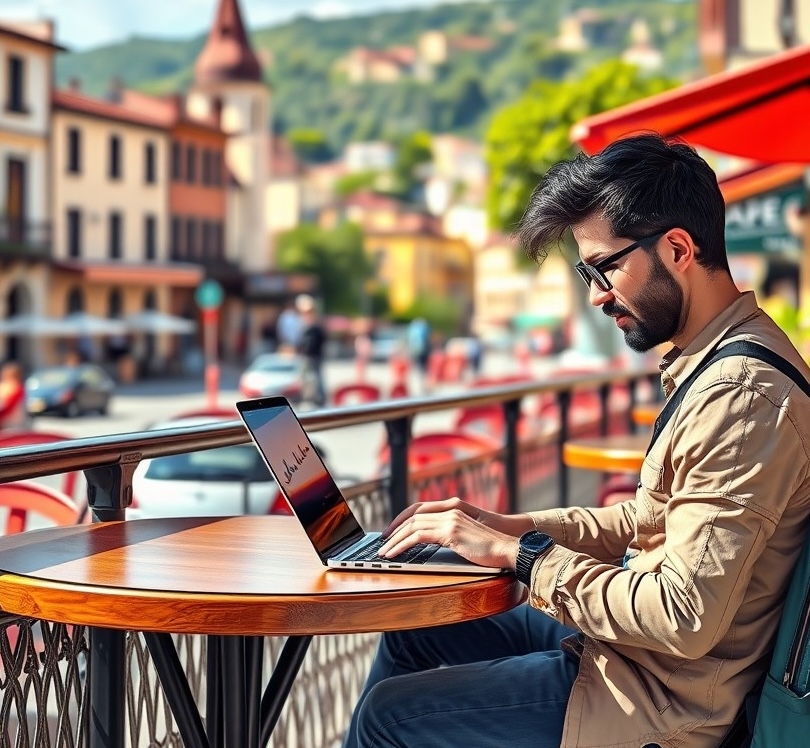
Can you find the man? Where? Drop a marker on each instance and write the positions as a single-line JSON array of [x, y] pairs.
[[310, 345], [649, 621]]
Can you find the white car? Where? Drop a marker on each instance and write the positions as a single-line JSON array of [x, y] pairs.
[[213, 482], [273, 374]]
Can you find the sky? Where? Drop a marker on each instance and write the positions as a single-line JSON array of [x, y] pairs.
[[83, 24]]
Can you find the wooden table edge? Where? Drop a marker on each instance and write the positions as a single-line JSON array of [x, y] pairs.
[[610, 460], [257, 615]]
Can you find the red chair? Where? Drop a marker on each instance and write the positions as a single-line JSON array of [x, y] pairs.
[[358, 392], [23, 498], [400, 389], [24, 437], [439, 448]]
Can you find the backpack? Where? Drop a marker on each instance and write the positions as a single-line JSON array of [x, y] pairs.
[[777, 712]]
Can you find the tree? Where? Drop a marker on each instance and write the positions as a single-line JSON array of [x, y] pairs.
[[310, 145], [336, 257], [525, 138], [412, 151]]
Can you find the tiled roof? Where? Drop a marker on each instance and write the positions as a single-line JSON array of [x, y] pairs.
[[72, 101]]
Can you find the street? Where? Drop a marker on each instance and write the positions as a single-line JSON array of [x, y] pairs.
[[351, 452]]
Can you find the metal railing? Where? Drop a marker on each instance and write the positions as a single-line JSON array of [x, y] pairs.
[[25, 238], [44, 691]]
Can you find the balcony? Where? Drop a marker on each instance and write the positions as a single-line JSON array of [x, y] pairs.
[[64, 675], [25, 240]]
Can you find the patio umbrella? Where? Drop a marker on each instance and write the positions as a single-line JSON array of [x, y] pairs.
[[79, 324], [151, 320], [32, 325]]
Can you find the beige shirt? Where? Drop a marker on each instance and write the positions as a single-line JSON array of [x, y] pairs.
[[677, 634]]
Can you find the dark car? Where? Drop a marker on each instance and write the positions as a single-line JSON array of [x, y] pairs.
[[69, 390]]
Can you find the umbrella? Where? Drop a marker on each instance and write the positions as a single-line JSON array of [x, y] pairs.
[[151, 320], [79, 324], [33, 325]]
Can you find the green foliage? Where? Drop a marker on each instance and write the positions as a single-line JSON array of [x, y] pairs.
[[310, 145], [335, 256], [445, 315], [309, 93], [356, 182], [528, 136], [412, 151]]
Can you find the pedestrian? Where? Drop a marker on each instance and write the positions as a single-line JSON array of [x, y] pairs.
[[419, 342], [311, 345], [648, 621], [13, 412], [289, 327]]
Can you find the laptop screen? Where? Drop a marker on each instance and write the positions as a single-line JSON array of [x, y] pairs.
[[300, 473]]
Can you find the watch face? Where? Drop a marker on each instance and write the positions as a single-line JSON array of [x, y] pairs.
[[536, 542]]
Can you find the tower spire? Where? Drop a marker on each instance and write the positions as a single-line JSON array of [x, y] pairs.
[[227, 55]]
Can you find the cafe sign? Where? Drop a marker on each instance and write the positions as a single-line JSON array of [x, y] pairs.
[[766, 223]]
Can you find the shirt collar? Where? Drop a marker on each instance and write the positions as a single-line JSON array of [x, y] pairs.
[[678, 364]]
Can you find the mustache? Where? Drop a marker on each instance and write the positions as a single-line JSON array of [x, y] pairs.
[[612, 309]]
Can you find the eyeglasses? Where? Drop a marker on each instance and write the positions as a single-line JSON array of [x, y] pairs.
[[596, 273]]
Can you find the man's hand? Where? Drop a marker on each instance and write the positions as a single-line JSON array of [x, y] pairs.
[[454, 524]]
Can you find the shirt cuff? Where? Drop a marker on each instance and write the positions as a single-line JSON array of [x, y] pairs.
[[545, 577]]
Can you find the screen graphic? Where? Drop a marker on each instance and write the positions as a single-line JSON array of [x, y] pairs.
[[302, 476]]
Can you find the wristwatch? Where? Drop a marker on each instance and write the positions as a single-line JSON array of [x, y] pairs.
[[532, 545]]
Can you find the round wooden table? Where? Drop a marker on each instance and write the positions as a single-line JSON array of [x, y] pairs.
[[646, 413], [610, 454], [239, 577]]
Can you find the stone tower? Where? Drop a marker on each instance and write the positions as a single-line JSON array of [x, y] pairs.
[[228, 84]]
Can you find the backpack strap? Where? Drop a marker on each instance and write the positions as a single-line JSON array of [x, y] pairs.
[[735, 348]]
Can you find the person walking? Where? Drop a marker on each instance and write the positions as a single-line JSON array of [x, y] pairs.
[[13, 413], [648, 622], [311, 346]]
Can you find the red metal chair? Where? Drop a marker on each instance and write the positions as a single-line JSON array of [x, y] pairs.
[[23, 437], [357, 392], [23, 498]]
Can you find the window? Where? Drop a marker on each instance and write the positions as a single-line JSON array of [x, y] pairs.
[[74, 150], [149, 171], [115, 157], [191, 164], [149, 237], [177, 238], [219, 240], [16, 84], [115, 226], [216, 162], [177, 162], [191, 238], [206, 167], [74, 232]]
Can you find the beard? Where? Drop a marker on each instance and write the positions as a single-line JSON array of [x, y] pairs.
[[658, 311]]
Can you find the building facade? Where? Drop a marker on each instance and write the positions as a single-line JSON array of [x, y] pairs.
[[26, 80]]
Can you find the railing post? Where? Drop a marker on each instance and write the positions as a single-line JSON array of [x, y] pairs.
[[604, 414], [399, 439], [109, 487], [563, 402], [109, 493], [511, 412], [632, 387]]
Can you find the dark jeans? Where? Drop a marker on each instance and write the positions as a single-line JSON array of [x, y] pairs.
[[499, 681]]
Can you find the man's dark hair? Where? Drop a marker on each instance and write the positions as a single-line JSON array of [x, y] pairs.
[[641, 185]]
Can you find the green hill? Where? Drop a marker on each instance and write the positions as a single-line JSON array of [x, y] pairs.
[[308, 92]]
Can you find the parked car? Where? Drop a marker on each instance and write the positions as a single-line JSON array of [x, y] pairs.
[[386, 341], [218, 482], [69, 390], [213, 482], [273, 374]]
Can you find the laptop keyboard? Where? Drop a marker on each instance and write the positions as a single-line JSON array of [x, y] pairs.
[[418, 554]]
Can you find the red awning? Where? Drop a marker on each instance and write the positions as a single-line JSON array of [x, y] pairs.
[[759, 112], [758, 180]]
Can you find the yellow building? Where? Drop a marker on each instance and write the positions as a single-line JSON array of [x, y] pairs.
[[413, 256], [26, 59], [111, 225]]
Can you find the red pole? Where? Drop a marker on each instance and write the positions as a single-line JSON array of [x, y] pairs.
[[210, 330]]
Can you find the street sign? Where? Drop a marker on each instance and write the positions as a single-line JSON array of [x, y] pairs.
[[209, 295]]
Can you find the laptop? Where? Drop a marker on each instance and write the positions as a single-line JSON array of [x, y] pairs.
[[316, 500]]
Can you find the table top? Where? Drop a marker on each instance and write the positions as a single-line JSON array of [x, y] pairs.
[[646, 413], [224, 575], [620, 454]]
